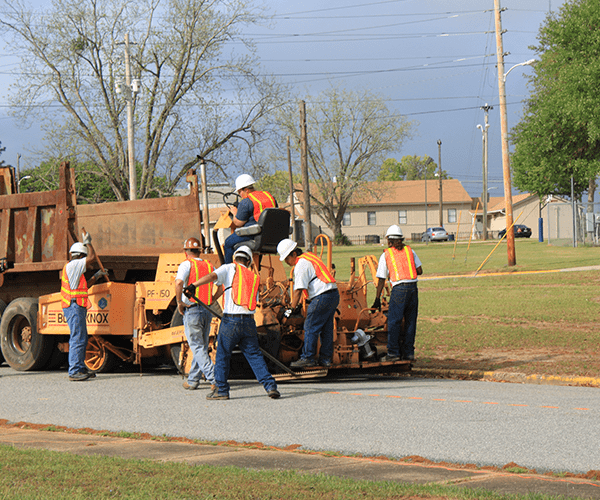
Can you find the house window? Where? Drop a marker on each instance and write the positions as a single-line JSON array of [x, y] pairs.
[[371, 219], [346, 221], [452, 215], [402, 217]]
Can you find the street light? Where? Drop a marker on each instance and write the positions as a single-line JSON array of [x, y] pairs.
[[20, 180], [526, 63], [429, 160]]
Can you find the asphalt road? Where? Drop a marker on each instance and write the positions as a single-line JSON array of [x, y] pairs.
[[547, 428]]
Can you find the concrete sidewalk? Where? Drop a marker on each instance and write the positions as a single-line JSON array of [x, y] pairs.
[[270, 459]]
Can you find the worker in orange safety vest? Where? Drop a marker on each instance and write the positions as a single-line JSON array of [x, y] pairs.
[[247, 212], [237, 327], [400, 264], [75, 303], [312, 279]]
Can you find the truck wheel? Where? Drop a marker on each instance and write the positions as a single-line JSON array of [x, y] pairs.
[[97, 357], [22, 346], [2, 308]]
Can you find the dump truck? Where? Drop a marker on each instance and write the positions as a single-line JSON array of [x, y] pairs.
[[133, 316]]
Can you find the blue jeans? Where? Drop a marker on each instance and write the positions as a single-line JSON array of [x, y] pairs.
[[319, 323], [240, 330], [196, 324], [404, 303], [232, 240], [75, 316]]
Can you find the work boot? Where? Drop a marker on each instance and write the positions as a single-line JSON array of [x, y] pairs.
[[390, 357], [79, 377], [191, 386], [274, 394], [303, 363], [215, 394]]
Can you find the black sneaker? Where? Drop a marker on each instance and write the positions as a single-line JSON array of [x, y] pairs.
[[274, 394], [303, 363], [79, 377], [390, 357], [215, 394]]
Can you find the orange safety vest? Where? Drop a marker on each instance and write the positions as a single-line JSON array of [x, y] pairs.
[[320, 268], [261, 200], [401, 263], [80, 293], [198, 269], [244, 287]]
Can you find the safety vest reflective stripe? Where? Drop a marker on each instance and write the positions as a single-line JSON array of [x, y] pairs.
[[244, 288], [261, 200], [198, 269], [80, 293], [401, 263], [320, 268]]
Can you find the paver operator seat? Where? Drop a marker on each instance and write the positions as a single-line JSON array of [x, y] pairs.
[[273, 226]]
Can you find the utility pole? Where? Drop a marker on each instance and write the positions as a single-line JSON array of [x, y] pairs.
[[484, 131], [510, 234], [439, 143], [293, 205], [131, 87], [305, 180]]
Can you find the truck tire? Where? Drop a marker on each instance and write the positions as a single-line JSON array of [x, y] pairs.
[[24, 349], [2, 309]]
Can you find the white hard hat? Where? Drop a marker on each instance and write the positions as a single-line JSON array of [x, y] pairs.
[[78, 248], [285, 247], [394, 232], [244, 181], [245, 251]]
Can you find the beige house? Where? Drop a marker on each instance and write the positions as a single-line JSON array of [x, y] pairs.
[[413, 205], [556, 215]]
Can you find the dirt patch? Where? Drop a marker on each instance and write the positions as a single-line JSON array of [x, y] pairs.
[[549, 362]]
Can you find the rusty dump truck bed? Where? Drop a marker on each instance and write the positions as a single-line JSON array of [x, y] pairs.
[[37, 230]]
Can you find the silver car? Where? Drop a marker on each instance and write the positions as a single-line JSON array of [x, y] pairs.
[[435, 234]]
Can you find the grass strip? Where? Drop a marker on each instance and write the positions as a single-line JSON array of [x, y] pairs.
[[28, 474]]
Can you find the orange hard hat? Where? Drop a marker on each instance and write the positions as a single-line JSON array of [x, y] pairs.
[[192, 244]]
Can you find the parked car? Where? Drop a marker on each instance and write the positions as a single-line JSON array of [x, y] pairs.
[[521, 231], [435, 234]]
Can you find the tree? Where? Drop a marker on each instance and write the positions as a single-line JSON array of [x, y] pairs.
[[278, 184], [199, 96], [349, 135], [409, 168], [559, 135]]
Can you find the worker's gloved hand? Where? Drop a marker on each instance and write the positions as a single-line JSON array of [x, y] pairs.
[[99, 274], [190, 290], [377, 304], [87, 238], [288, 313]]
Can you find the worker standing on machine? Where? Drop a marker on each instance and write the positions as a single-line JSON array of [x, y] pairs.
[[312, 278], [237, 327], [247, 213], [75, 303], [401, 265], [196, 319]]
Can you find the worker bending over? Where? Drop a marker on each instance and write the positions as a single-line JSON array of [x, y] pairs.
[[196, 319], [247, 213], [237, 327], [401, 265], [315, 281]]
